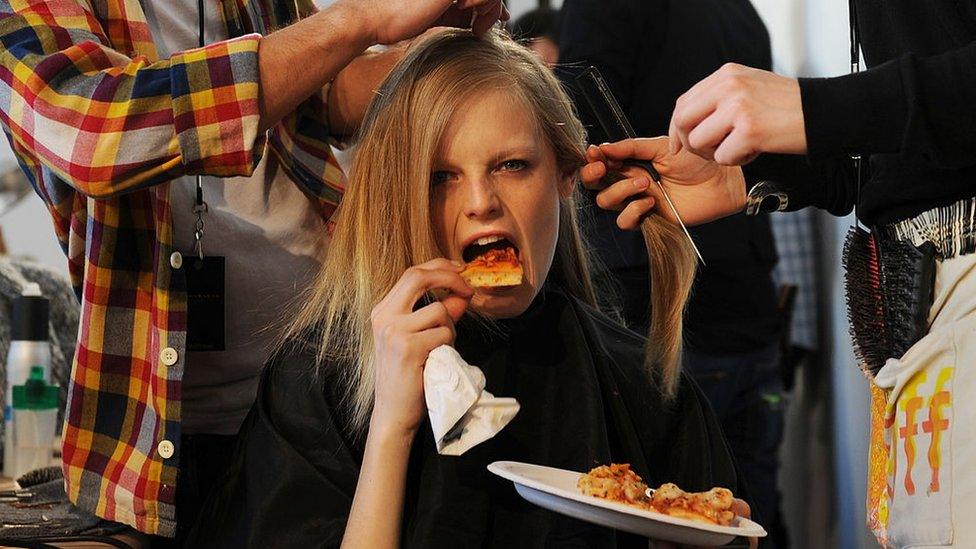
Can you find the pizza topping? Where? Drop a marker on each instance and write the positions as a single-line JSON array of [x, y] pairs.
[[616, 482], [493, 258], [487, 244]]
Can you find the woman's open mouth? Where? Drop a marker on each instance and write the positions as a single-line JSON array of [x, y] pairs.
[[485, 244], [492, 262]]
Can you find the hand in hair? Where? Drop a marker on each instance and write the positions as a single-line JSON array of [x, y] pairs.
[[701, 190], [403, 338], [391, 21]]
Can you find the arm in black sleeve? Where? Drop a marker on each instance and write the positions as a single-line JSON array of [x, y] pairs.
[[829, 184], [923, 106]]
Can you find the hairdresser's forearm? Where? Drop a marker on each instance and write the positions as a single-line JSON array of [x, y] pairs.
[[298, 60], [377, 508], [354, 87]]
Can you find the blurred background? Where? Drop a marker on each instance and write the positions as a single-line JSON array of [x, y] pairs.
[[825, 450]]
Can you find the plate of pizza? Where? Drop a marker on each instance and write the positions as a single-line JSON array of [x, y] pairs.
[[615, 496]]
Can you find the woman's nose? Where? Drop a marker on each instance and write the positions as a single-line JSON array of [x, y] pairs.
[[481, 200]]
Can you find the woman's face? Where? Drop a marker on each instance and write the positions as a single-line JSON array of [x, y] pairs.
[[495, 177]]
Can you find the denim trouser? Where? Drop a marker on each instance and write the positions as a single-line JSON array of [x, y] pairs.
[[746, 392]]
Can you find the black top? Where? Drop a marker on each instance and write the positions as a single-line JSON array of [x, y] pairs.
[[584, 401], [651, 52], [913, 111]]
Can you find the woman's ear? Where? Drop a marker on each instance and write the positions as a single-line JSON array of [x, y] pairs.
[[567, 184]]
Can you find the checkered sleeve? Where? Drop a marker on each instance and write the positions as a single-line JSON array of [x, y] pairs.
[[302, 143], [110, 123]]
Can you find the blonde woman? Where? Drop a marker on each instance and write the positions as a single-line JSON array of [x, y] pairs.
[[469, 144]]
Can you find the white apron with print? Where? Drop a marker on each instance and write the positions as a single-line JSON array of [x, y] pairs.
[[922, 468]]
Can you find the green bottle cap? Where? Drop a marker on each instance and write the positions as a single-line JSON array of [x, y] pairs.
[[36, 394]]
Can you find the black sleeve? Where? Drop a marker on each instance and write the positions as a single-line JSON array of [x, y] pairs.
[[923, 106], [829, 184], [293, 476]]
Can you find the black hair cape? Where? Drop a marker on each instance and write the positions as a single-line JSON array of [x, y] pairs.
[[585, 401]]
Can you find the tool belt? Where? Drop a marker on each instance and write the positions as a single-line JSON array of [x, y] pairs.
[[890, 278]]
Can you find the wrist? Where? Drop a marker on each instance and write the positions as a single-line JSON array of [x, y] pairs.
[[390, 433], [353, 21], [737, 186]]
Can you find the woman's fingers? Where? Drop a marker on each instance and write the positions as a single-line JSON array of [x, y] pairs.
[[427, 317], [418, 280], [615, 196], [632, 214], [434, 338]]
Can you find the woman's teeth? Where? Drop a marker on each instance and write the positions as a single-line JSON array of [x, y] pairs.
[[485, 240], [484, 244]]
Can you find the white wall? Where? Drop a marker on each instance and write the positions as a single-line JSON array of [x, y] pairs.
[[27, 228]]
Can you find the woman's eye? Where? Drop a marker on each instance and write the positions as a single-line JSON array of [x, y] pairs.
[[513, 165], [438, 178]]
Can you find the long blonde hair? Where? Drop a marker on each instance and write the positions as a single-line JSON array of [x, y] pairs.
[[383, 224]]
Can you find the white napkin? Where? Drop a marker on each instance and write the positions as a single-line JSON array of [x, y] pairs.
[[462, 413]]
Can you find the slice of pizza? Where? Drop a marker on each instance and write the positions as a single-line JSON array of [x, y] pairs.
[[495, 267]]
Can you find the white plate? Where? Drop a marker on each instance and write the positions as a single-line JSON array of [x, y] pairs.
[[555, 489]]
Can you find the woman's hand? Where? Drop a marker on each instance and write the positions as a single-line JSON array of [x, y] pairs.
[[701, 190], [403, 338]]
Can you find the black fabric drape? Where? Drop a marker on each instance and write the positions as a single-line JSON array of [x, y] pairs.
[[585, 401]]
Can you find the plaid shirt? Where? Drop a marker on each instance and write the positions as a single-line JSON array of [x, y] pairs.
[[101, 125]]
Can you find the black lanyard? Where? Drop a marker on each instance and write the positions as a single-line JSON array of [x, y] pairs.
[[199, 206], [855, 68]]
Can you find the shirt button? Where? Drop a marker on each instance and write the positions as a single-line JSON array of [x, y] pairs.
[[169, 356], [176, 260], [165, 449]]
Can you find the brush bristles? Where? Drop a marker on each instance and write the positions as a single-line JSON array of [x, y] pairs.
[[865, 301]]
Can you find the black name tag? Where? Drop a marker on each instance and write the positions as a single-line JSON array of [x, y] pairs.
[[205, 304]]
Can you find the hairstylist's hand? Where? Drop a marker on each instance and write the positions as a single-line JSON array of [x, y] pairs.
[[739, 507], [701, 190], [737, 113], [391, 21], [403, 338]]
